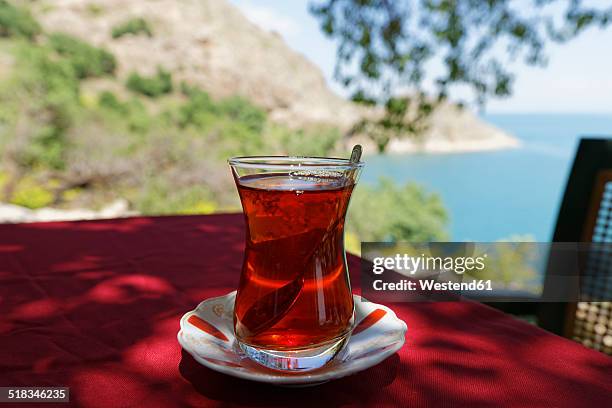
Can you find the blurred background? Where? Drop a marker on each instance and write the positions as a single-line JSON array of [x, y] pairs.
[[469, 111]]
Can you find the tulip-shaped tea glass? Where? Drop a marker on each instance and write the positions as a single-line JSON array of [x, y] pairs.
[[294, 306]]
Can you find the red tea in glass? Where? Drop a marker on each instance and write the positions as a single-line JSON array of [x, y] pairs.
[[294, 307]]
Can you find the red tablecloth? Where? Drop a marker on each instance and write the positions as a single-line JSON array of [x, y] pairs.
[[95, 306]]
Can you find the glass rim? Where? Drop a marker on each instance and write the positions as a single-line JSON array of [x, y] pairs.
[[293, 162]]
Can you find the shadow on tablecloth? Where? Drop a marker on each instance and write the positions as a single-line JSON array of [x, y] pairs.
[[356, 389]]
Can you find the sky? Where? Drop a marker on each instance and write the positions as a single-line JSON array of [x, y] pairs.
[[577, 79]]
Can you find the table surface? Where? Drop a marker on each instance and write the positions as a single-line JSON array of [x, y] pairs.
[[95, 306]]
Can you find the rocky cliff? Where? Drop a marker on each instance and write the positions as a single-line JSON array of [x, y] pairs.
[[211, 44]]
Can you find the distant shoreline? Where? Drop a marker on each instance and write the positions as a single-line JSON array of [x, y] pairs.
[[451, 130], [446, 147]]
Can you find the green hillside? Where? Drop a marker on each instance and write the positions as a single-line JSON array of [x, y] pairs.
[[73, 134]]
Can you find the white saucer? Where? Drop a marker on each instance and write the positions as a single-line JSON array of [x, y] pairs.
[[207, 334]]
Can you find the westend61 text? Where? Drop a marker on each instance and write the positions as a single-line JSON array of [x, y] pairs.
[[432, 284]]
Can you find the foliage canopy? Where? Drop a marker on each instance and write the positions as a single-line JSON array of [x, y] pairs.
[[17, 22], [386, 49], [87, 60], [388, 212], [153, 86], [134, 26]]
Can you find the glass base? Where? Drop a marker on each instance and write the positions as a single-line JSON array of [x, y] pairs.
[[295, 360]]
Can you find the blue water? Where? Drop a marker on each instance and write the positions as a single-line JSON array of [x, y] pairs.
[[500, 194]]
